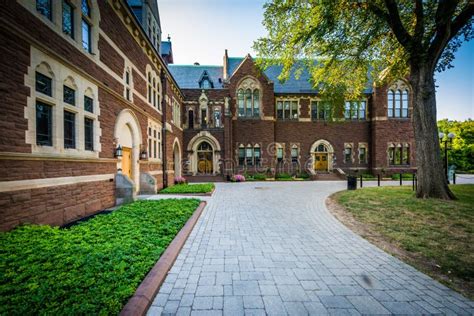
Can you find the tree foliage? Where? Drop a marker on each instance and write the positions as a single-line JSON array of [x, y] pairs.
[[355, 42], [462, 149]]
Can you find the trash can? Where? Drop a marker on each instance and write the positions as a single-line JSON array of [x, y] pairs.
[[351, 183]]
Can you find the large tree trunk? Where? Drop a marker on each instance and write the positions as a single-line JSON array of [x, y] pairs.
[[432, 182]]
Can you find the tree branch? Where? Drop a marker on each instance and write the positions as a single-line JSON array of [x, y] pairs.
[[446, 28], [397, 26], [420, 23]]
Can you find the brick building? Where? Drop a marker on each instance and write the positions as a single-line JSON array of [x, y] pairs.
[[93, 109]]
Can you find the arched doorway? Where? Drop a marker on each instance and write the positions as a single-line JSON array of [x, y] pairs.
[[205, 154], [322, 154], [127, 134]]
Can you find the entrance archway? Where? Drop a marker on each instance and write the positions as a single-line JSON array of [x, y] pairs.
[[127, 134], [322, 154], [204, 147], [205, 154]]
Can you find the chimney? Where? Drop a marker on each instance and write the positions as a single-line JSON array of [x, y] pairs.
[[226, 66]]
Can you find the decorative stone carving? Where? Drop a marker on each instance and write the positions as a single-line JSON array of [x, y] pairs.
[[399, 85], [249, 83]]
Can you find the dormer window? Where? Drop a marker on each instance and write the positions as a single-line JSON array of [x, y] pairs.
[[205, 82]]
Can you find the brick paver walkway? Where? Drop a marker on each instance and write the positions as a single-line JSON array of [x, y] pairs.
[[273, 248]]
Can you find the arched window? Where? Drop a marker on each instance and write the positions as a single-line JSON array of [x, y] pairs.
[[248, 98], [397, 100], [258, 155], [294, 154], [86, 25], [322, 148], [249, 155], [241, 155]]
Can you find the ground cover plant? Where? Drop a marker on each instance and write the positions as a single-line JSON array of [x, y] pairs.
[[436, 234], [186, 188], [90, 268]]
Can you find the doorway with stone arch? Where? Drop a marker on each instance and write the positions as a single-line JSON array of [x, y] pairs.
[[322, 154], [204, 153], [127, 135]]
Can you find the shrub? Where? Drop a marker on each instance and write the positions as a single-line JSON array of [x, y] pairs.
[[180, 180], [260, 176], [283, 175], [302, 175], [189, 188], [238, 178]]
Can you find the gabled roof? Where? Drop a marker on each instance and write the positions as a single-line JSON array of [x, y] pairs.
[[189, 76]]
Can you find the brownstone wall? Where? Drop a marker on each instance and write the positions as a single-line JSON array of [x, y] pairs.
[[55, 205]]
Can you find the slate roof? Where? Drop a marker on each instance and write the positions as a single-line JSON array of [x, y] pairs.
[[188, 76], [165, 48]]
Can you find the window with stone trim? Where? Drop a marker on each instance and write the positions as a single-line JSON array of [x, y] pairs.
[[397, 103], [176, 113], [88, 134], [241, 155], [249, 155], [154, 89], [294, 154], [355, 110], [399, 154], [154, 140], [347, 153], [44, 84], [128, 84], [362, 153], [320, 110], [44, 124], [287, 110], [69, 129]]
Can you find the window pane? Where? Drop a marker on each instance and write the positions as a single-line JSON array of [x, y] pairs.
[[256, 103], [348, 155], [86, 10], [294, 110], [362, 107], [89, 134], [362, 154], [86, 36], [44, 8], [280, 110], [314, 110], [88, 104], [405, 103], [398, 102], [68, 19], [241, 103], [406, 155], [257, 155], [217, 118], [44, 124], [280, 153], [347, 112], [398, 155], [249, 156], [286, 113], [390, 103], [241, 156], [69, 130], [43, 84], [248, 102], [354, 110], [69, 95]]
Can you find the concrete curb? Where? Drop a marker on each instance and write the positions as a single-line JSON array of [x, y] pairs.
[[139, 303]]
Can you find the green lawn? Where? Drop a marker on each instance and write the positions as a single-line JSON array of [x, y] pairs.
[[189, 188], [90, 268], [439, 234]]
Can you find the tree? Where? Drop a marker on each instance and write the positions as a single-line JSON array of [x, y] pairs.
[[461, 154], [381, 40]]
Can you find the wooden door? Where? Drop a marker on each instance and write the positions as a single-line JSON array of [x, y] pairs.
[[321, 162], [127, 162], [205, 162]]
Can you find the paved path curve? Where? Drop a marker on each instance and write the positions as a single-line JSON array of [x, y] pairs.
[[273, 248]]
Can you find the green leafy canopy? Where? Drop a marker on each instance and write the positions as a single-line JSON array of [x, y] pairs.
[[346, 44]]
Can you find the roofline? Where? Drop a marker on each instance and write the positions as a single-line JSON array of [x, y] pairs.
[[176, 65], [153, 48]]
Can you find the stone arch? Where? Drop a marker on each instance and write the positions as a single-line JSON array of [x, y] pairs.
[[127, 133], [192, 147], [329, 150], [176, 158]]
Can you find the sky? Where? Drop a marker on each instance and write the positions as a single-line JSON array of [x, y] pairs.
[[201, 30]]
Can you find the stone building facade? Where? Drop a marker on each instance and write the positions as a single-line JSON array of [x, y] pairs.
[[91, 110]]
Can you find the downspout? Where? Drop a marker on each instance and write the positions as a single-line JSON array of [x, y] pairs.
[[163, 133]]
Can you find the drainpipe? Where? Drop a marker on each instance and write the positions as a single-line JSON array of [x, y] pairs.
[[163, 132]]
